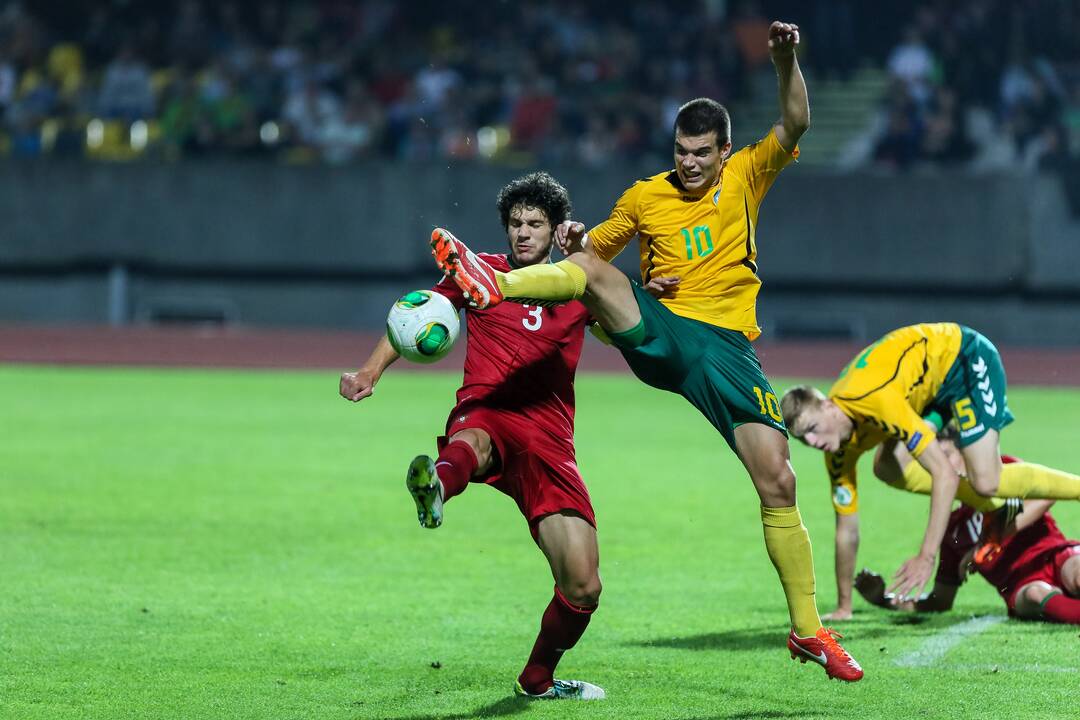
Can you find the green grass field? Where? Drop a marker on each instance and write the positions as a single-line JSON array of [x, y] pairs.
[[231, 544]]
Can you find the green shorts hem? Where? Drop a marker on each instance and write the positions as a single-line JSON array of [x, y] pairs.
[[715, 368]]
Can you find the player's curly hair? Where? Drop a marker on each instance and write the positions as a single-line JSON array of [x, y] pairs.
[[703, 115], [535, 190]]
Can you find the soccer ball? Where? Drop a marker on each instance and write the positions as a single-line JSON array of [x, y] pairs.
[[422, 326]]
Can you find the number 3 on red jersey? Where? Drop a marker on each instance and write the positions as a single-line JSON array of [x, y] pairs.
[[535, 320]]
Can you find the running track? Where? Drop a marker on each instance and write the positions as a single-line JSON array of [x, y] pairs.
[[261, 348]]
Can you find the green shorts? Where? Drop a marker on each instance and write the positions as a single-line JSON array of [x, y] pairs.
[[974, 389], [716, 369]]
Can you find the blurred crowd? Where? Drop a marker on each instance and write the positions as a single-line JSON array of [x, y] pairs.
[[985, 83], [562, 80]]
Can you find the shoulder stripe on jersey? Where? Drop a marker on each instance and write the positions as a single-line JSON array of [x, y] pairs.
[[925, 372], [896, 371], [749, 248], [673, 180]]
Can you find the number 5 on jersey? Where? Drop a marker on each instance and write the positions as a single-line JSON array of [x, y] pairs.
[[965, 416], [535, 319]]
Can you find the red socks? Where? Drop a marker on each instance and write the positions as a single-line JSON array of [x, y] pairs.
[[455, 466], [560, 628], [562, 624], [1062, 608]]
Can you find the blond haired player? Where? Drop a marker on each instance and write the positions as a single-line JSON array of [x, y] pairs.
[[882, 395], [696, 227], [1034, 567]]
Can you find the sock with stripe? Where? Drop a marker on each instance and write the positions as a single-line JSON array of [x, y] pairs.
[[1061, 608], [455, 467], [561, 627], [557, 282], [788, 545]]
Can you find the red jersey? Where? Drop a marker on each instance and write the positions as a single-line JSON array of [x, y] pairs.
[[1020, 553], [521, 357]]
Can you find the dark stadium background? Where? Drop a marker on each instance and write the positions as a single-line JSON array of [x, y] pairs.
[[207, 208], [236, 166]]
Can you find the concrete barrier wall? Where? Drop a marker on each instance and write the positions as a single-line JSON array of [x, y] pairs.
[[895, 231], [331, 247]]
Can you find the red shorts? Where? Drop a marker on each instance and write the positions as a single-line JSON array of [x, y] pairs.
[[535, 467], [1049, 572]]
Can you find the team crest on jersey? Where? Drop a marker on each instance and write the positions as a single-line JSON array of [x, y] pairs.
[[461, 418], [842, 496]]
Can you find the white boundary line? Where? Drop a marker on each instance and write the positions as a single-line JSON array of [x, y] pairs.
[[935, 646]]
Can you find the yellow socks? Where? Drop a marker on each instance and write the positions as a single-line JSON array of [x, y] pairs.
[[1028, 480], [1022, 480], [918, 480], [788, 545], [558, 282]]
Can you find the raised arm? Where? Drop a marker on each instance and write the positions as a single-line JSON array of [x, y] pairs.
[[356, 386], [794, 104]]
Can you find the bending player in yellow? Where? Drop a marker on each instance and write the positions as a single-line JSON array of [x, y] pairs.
[[696, 227], [882, 395]]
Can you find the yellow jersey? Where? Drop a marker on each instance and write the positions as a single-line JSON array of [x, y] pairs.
[[884, 390], [708, 241]]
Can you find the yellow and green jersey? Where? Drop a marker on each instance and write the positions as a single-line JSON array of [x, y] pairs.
[[885, 391], [709, 241]]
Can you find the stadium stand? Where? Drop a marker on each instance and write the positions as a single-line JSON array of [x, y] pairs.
[[984, 82]]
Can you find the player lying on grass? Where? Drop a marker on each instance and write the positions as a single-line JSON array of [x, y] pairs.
[[696, 230], [1034, 567], [882, 394], [513, 428]]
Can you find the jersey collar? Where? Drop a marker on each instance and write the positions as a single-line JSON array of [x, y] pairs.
[[514, 266]]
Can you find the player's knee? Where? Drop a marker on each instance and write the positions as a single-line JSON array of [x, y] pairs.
[[584, 592], [786, 479], [480, 443], [984, 478], [1070, 576], [1030, 597], [984, 485], [777, 487]]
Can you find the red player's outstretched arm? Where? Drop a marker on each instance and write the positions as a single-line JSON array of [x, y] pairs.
[[356, 386]]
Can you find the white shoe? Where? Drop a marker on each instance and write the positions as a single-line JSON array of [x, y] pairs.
[[566, 690], [427, 491]]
